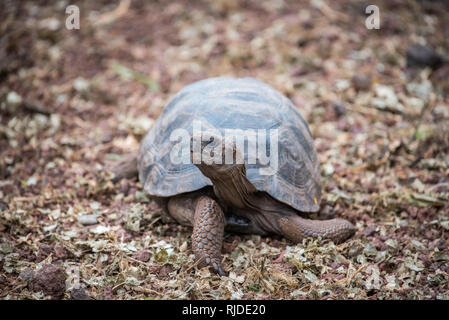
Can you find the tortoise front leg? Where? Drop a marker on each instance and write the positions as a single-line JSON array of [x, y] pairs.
[[207, 237]]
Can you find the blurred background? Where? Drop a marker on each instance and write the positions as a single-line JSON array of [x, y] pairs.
[[72, 102]]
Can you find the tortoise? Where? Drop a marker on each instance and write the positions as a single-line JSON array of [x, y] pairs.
[[214, 194]]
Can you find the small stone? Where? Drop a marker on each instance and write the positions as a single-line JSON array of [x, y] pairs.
[[328, 169], [26, 275], [142, 255], [100, 229], [51, 24], [80, 84], [3, 206], [44, 251], [386, 98], [60, 251], [31, 181], [421, 56], [6, 247], [369, 230], [361, 82], [87, 219], [165, 270], [79, 293], [339, 109], [342, 84], [50, 279], [13, 99]]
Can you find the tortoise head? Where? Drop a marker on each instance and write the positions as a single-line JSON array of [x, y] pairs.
[[215, 157], [221, 162]]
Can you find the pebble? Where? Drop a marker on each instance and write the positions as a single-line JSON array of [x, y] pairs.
[[50, 279], [361, 82], [26, 275], [60, 251], [87, 219], [421, 56], [80, 84], [386, 98], [79, 293], [142, 255], [339, 108], [328, 169], [13, 99]]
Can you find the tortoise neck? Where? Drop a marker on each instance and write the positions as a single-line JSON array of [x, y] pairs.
[[233, 188]]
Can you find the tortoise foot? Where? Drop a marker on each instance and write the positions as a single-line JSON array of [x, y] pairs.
[[207, 237]]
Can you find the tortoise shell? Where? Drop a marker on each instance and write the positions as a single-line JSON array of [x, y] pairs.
[[229, 103]]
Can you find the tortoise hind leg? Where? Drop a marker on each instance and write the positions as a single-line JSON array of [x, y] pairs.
[[207, 237], [296, 228], [276, 217]]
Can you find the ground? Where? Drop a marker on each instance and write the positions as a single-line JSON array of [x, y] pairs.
[[74, 102]]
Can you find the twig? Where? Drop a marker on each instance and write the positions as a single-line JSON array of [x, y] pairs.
[[349, 278], [442, 184], [118, 286], [154, 221], [109, 17], [20, 286], [23, 199], [145, 290], [329, 12], [279, 259], [136, 260], [420, 119], [195, 264]]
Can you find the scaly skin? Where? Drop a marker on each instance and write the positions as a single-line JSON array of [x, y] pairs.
[[296, 228], [207, 237]]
